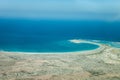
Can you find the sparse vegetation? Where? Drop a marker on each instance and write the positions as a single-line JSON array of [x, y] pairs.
[[59, 67], [96, 73]]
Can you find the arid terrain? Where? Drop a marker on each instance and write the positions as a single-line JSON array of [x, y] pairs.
[[98, 65]]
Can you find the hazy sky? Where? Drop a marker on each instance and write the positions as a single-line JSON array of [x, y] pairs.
[[63, 9]]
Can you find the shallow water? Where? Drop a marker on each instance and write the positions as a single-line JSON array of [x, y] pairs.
[[53, 35], [60, 46]]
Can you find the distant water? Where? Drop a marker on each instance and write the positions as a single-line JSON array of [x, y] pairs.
[[53, 35]]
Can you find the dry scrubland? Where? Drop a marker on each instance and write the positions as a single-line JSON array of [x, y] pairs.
[[100, 65]]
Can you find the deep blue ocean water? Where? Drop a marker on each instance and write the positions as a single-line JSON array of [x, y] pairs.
[[52, 35]]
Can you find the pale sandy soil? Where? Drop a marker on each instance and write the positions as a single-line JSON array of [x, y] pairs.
[[100, 64]]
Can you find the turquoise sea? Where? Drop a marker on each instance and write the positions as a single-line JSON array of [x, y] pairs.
[[30, 35]]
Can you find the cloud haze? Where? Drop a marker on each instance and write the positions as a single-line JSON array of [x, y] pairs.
[[73, 9]]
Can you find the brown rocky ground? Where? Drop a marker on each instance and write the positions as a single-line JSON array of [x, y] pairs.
[[102, 65]]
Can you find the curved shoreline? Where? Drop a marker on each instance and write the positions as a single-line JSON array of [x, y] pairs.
[[100, 48], [98, 64]]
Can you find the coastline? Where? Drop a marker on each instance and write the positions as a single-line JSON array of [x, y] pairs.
[[99, 64], [76, 41]]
